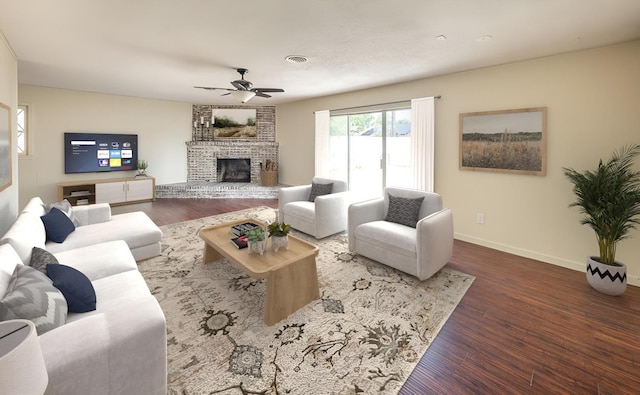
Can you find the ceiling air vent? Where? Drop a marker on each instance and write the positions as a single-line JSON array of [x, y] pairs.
[[296, 59]]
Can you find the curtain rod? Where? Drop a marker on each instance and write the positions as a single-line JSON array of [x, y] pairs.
[[378, 104]]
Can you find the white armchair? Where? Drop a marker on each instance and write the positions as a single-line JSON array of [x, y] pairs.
[[320, 218], [419, 251]]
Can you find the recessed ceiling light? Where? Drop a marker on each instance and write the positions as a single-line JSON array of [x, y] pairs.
[[296, 59], [441, 37], [484, 38]]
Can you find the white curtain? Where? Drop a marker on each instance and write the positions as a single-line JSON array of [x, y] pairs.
[[422, 142], [322, 144]]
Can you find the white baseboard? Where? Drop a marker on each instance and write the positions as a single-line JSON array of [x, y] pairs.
[[578, 266]]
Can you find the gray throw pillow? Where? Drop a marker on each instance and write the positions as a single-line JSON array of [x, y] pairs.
[[40, 258], [319, 190], [32, 296], [404, 211], [66, 208]]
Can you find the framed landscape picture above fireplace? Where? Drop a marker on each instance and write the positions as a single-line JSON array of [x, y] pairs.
[[234, 123]]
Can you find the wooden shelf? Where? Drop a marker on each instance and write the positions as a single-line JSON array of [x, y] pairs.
[[78, 193], [114, 191]]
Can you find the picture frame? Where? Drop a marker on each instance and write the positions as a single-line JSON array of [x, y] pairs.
[[5, 147], [234, 123], [511, 141]]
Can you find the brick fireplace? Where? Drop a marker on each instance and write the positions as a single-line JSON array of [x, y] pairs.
[[202, 157], [204, 151]]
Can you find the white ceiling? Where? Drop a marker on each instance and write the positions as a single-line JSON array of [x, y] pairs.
[[162, 48]]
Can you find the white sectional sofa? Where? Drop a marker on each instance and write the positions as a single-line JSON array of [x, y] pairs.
[[136, 229], [120, 347]]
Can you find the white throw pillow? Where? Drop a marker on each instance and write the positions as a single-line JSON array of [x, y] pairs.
[[66, 208], [9, 258]]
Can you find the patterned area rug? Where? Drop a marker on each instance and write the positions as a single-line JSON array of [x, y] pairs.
[[365, 334]]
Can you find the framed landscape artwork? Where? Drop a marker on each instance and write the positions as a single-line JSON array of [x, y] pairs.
[[234, 123], [5, 146], [513, 141]]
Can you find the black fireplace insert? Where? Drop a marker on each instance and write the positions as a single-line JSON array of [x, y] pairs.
[[234, 170]]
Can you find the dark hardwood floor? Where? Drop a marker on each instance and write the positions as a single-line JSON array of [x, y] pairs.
[[169, 211], [524, 327]]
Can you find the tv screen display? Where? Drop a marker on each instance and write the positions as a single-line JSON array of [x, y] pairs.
[[100, 152]]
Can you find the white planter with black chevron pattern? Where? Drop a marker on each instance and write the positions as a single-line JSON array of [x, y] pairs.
[[608, 279]]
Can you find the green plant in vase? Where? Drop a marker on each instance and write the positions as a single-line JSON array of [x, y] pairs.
[[256, 240], [279, 229], [609, 198], [142, 168], [279, 232], [256, 234]]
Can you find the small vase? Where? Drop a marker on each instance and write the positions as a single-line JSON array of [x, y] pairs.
[[257, 246], [280, 241]]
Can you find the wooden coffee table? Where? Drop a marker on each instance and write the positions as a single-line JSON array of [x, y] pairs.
[[292, 279]]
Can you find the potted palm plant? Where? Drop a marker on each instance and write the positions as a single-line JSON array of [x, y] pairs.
[[609, 198], [279, 232]]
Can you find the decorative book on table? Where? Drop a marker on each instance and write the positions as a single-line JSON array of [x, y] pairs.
[[239, 242], [241, 229]]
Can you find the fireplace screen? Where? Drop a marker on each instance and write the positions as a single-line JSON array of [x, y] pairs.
[[234, 170]]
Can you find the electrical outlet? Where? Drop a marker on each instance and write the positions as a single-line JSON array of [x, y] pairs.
[[480, 218]]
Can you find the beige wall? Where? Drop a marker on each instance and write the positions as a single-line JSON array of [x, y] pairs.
[[593, 100], [9, 97], [163, 127]]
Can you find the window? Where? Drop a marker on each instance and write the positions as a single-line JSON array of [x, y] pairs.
[[378, 146], [23, 130], [371, 149]]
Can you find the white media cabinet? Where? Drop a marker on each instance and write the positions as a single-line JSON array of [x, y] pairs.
[[113, 191]]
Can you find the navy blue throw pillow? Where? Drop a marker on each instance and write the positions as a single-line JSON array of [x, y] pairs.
[[57, 225], [75, 286]]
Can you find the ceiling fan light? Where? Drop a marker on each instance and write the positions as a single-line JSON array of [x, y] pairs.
[[243, 96]]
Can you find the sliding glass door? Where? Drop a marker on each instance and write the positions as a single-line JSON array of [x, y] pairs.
[[398, 148], [365, 154], [371, 150]]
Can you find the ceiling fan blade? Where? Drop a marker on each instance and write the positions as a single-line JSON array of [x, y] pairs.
[[212, 89], [238, 85], [242, 85], [267, 90]]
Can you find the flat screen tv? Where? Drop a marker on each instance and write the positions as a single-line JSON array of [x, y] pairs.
[[100, 152]]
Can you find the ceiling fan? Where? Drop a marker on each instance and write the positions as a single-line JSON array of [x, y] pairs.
[[244, 89]]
